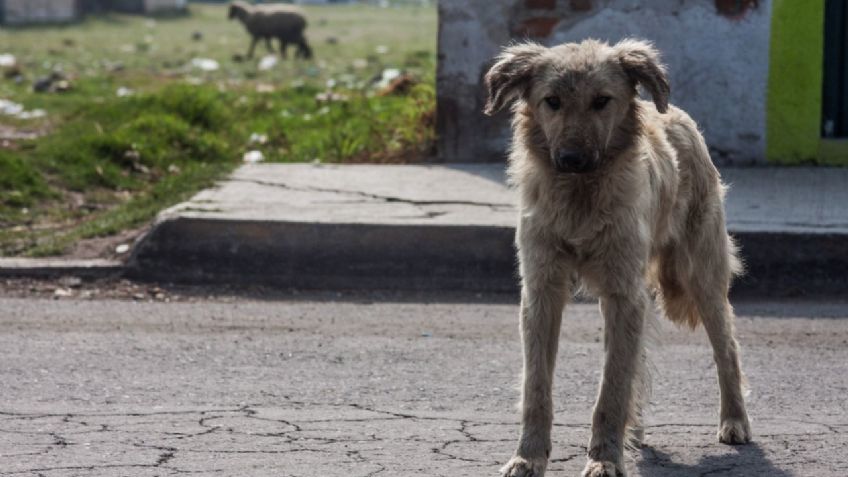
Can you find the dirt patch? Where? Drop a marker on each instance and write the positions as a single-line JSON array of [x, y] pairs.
[[10, 135], [106, 247]]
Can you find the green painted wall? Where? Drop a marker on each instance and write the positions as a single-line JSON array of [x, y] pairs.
[[793, 122]]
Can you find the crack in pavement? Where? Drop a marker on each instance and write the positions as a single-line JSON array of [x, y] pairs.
[[292, 429], [368, 195]]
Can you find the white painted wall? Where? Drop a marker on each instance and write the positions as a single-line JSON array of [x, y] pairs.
[[718, 66], [19, 12]]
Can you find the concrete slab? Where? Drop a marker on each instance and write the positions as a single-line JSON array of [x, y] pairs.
[[452, 226], [803, 200], [359, 194]]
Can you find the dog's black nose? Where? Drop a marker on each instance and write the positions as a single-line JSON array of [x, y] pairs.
[[571, 161]]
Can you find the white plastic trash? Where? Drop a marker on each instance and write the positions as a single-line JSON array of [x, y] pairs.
[[252, 157]]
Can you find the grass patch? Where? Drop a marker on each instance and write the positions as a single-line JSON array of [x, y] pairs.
[[110, 163]]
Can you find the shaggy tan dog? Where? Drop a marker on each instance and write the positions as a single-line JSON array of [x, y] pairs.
[[620, 195]]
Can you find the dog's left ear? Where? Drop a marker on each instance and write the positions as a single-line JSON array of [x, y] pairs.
[[641, 62], [510, 76]]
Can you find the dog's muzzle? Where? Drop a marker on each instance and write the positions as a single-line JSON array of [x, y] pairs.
[[573, 162]]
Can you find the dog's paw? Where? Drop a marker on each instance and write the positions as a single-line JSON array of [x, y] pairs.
[[734, 431], [603, 468], [524, 467]]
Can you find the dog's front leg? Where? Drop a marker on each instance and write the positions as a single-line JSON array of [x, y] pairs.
[[545, 288], [624, 317]]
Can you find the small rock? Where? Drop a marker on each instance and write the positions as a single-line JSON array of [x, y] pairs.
[[197, 36], [70, 282], [331, 40], [122, 248], [62, 292]]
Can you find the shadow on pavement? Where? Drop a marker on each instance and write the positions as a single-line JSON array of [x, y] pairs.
[[747, 460]]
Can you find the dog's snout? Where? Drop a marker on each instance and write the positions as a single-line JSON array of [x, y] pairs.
[[571, 161]]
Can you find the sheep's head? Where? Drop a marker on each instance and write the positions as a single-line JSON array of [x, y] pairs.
[[238, 10]]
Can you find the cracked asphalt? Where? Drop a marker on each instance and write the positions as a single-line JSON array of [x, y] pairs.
[[238, 387]]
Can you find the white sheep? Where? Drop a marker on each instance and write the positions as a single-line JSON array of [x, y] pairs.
[[283, 22]]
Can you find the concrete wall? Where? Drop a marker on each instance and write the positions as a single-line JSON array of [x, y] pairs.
[[21, 12], [153, 6], [717, 52]]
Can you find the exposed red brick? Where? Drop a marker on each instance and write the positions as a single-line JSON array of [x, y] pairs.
[[540, 4], [580, 5], [735, 8], [537, 27]]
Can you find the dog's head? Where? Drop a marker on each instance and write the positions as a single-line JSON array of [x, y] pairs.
[[581, 95]]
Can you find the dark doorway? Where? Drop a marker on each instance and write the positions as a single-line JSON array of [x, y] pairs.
[[835, 92]]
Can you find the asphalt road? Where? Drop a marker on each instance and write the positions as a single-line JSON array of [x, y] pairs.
[[322, 389]]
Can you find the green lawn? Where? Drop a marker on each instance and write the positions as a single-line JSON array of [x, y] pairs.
[[107, 163]]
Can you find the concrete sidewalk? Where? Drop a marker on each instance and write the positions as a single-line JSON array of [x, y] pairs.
[[446, 227]]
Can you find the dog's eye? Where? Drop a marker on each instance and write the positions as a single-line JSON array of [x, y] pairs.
[[553, 102], [600, 102]]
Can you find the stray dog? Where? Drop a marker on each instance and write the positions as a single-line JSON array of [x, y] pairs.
[[619, 195]]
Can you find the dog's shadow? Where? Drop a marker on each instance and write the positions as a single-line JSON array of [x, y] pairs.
[[746, 460]]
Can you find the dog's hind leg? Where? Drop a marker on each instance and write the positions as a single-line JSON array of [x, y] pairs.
[[714, 262], [546, 285], [717, 316]]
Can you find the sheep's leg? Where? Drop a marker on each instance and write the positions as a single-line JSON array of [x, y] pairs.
[[268, 45], [253, 43], [303, 50], [284, 47]]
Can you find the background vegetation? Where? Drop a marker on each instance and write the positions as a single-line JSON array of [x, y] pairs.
[[154, 109]]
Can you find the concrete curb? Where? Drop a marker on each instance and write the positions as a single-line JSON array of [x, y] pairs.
[[430, 258], [792, 264], [53, 268], [437, 228], [328, 256]]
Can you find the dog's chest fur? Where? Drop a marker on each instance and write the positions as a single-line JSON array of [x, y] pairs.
[[588, 213]]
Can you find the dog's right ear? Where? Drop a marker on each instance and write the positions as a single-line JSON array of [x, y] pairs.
[[510, 76]]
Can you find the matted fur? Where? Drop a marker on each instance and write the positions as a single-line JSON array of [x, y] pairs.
[[618, 194]]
